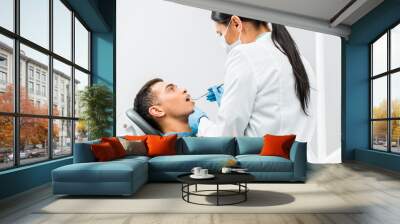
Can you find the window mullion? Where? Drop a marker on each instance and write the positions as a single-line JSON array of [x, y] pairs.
[[16, 84], [50, 81], [371, 140], [389, 76], [73, 82]]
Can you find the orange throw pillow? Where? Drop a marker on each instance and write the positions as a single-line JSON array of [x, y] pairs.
[[277, 145], [103, 152], [136, 137], [116, 145], [161, 145]]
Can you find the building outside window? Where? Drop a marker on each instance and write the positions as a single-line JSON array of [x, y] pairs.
[[385, 91]]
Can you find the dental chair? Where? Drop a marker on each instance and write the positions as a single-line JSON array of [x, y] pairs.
[[141, 123]]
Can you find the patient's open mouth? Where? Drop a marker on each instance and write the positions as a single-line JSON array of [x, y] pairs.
[[188, 98]]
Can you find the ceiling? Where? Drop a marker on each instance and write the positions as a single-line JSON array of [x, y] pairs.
[[326, 16]]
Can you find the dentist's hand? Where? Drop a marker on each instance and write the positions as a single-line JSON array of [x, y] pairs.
[[215, 94], [194, 119]]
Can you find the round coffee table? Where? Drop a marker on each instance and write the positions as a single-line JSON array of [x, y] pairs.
[[238, 179]]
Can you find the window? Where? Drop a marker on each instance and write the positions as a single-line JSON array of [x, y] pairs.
[[30, 87], [6, 73], [385, 94], [34, 21], [33, 148], [61, 74], [395, 47], [30, 72], [81, 45], [81, 81], [45, 118], [37, 90], [7, 14], [6, 142], [3, 61], [3, 78], [62, 137], [38, 74], [62, 29], [44, 91], [3, 72]]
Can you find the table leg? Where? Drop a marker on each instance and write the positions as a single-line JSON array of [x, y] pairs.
[[245, 193], [188, 190], [217, 194], [196, 187]]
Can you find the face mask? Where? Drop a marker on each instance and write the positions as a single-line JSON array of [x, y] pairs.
[[225, 45]]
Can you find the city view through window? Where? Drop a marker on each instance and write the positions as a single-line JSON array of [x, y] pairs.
[[39, 113], [385, 91]]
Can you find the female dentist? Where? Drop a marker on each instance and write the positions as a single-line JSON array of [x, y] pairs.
[[267, 84]]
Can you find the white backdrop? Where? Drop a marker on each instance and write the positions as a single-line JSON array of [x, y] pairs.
[[156, 38]]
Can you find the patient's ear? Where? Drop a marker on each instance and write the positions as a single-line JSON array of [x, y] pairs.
[[156, 111]]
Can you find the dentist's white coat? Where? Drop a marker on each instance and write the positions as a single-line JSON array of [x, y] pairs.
[[259, 95]]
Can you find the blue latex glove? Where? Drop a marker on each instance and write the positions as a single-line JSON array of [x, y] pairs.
[[194, 119], [215, 94]]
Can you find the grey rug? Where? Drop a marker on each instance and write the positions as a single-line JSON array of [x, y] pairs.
[[166, 198]]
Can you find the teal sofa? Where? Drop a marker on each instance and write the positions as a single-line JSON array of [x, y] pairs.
[[125, 176]]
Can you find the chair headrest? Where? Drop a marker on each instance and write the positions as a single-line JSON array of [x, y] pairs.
[[141, 123]]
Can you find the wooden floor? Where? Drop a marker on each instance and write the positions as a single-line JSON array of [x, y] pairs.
[[378, 188]]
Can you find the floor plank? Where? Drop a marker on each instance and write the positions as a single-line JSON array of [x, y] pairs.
[[378, 189]]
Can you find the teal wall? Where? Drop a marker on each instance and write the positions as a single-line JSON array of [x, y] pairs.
[[24, 178], [355, 84], [103, 64], [99, 16]]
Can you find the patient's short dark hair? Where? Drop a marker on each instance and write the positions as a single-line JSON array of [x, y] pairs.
[[144, 100]]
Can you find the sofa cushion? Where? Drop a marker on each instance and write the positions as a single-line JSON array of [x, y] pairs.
[[103, 152], [277, 145], [134, 147], [83, 152], [257, 163], [116, 145], [206, 145], [161, 145], [111, 171], [249, 145], [185, 163]]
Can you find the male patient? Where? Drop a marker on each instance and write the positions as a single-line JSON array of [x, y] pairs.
[[165, 107]]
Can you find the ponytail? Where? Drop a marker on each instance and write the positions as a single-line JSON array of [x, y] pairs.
[[284, 42]]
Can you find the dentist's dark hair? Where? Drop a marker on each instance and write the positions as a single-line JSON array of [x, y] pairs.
[[284, 42]]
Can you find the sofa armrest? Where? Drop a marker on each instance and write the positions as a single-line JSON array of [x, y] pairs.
[[83, 152], [298, 155]]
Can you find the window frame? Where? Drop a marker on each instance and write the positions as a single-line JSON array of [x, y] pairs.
[[388, 74], [15, 72]]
